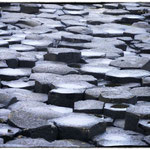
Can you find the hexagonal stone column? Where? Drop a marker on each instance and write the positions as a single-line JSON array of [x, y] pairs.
[[79, 126], [63, 54], [134, 113]]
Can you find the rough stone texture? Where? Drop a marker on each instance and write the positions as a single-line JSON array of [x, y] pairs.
[[124, 76], [68, 71], [117, 96], [79, 126], [89, 106], [141, 93], [116, 111], [117, 137], [29, 142], [70, 143], [65, 96], [63, 54], [131, 63], [134, 113]]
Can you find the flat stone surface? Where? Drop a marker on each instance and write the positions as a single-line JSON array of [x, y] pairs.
[[117, 96], [70, 143], [131, 62], [89, 106], [18, 84], [133, 114], [4, 113], [133, 75], [73, 7], [39, 44], [29, 142], [63, 55], [94, 93], [77, 38], [6, 130], [72, 84], [92, 54], [68, 71], [6, 99], [116, 12], [22, 48], [43, 81], [75, 12], [116, 111], [25, 95], [60, 69], [142, 93], [79, 30], [10, 74], [97, 71], [72, 126], [117, 137], [78, 77], [70, 23]]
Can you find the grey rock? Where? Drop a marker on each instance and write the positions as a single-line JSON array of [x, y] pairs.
[[92, 53], [77, 38], [131, 62], [1, 141], [22, 48], [79, 30], [70, 84], [119, 123], [144, 125], [89, 106], [43, 81], [116, 111], [4, 114], [78, 77], [12, 74], [6, 99], [79, 126], [25, 95], [63, 55], [73, 7], [97, 71], [146, 81], [146, 139], [116, 95], [70, 143], [30, 8], [133, 114], [60, 69], [142, 93], [126, 76], [19, 84], [75, 12], [124, 138], [28, 142], [65, 96], [6, 130]]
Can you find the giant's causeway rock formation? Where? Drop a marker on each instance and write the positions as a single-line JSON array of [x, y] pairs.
[[75, 75]]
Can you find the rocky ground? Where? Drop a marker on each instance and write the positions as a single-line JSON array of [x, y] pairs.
[[75, 75]]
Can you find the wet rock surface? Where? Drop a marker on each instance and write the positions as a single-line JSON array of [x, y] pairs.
[[75, 75]]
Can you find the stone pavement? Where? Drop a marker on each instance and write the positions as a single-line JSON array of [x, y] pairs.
[[75, 75]]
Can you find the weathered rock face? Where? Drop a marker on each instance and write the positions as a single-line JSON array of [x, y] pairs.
[[118, 137], [79, 126], [74, 75]]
